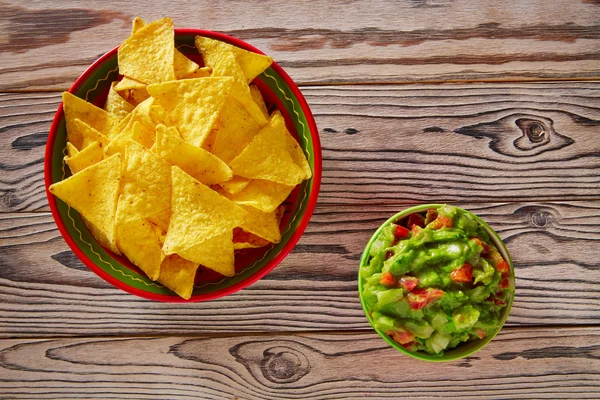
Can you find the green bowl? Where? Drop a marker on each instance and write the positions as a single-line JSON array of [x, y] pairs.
[[462, 350]]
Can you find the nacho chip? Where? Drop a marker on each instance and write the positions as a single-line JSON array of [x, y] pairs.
[[117, 105], [261, 194], [146, 185], [178, 275], [97, 118], [94, 192], [198, 213], [89, 156], [139, 243], [295, 150], [247, 240], [132, 91], [252, 64], [71, 150], [128, 83], [193, 104], [161, 221], [258, 99], [89, 135], [215, 253], [235, 184], [262, 224], [155, 42], [133, 132], [237, 129], [228, 66], [137, 24], [199, 73], [200, 164], [267, 156]]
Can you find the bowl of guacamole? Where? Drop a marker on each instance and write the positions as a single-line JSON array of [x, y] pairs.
[[436, 282]]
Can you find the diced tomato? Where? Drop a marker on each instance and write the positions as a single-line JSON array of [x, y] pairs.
[[401, 336], [442, 221], [388, 254], [502, 266], [410, 346], [419, 298], [503, 283], [480, 333], [415, 219], [498, 262], [401, 232], [430, 216], [462, 274], [387, 279], [408, 283], [481, 243], [499, 302], [415, 229]]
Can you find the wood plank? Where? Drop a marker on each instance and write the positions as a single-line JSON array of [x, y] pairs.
[[47, 44], [46, 291], [519, 363], [394, 144]]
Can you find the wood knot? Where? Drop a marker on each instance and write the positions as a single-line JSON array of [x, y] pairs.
[[539, 218], [282, 364]]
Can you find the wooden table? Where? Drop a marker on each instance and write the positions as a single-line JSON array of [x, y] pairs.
[[416, 101]]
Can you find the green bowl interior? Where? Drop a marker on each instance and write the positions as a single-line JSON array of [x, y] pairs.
[[278, 93], [465, 349]]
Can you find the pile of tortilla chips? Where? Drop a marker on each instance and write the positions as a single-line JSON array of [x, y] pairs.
[[184, 165]]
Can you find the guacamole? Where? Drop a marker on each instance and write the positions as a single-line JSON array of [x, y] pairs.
[[435, 280]]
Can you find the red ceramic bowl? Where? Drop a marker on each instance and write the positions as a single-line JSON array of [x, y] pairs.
[[279, 92]]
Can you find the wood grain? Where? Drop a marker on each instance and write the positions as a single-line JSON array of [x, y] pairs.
[[46, 291], [48, 44], [395, 144], [519, 363]]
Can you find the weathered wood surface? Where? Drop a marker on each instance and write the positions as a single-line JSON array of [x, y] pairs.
[[390, 144], [519, 363], [46, 291], [48, 44]]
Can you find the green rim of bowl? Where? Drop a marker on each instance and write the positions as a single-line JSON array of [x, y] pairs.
[[463, 350]]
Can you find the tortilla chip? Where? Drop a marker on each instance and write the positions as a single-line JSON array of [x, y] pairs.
[[237, 129], [258, 99], [97, 118], [148, 54], [146, 185], [235, 184], [138, 241], [262, 224], [198, 213], [199, 73], [178, 275], [252, 64], [193, 104], [247, 240], [215, 253], [94, 192], [295, 150], [137, 24], [89, 156], [200, 164], [89, 135], [267, 156], [117, 105], [228, 66], [133, 132], [71, 150], [161, 220], [261, 194]]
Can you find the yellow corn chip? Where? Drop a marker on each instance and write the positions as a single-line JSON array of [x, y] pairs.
[[252, 64], [117, 105], [137, 24], [97, 118], [237, 128], [264, 195], [200, 164], [146, 185], [198, 213], [178, 275], [267, 156], [135, 132], [91, 155], [294, 149], [161, 220], [235, 184], [215, 253], [262, 224], [71, 150], [199, 73], [258, 99], [120, 127], [155, 42], [228, 66], [89, 135], [138, 241], [193, 105], [94, 192]]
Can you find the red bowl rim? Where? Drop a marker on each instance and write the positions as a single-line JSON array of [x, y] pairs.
[[312, 201]]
